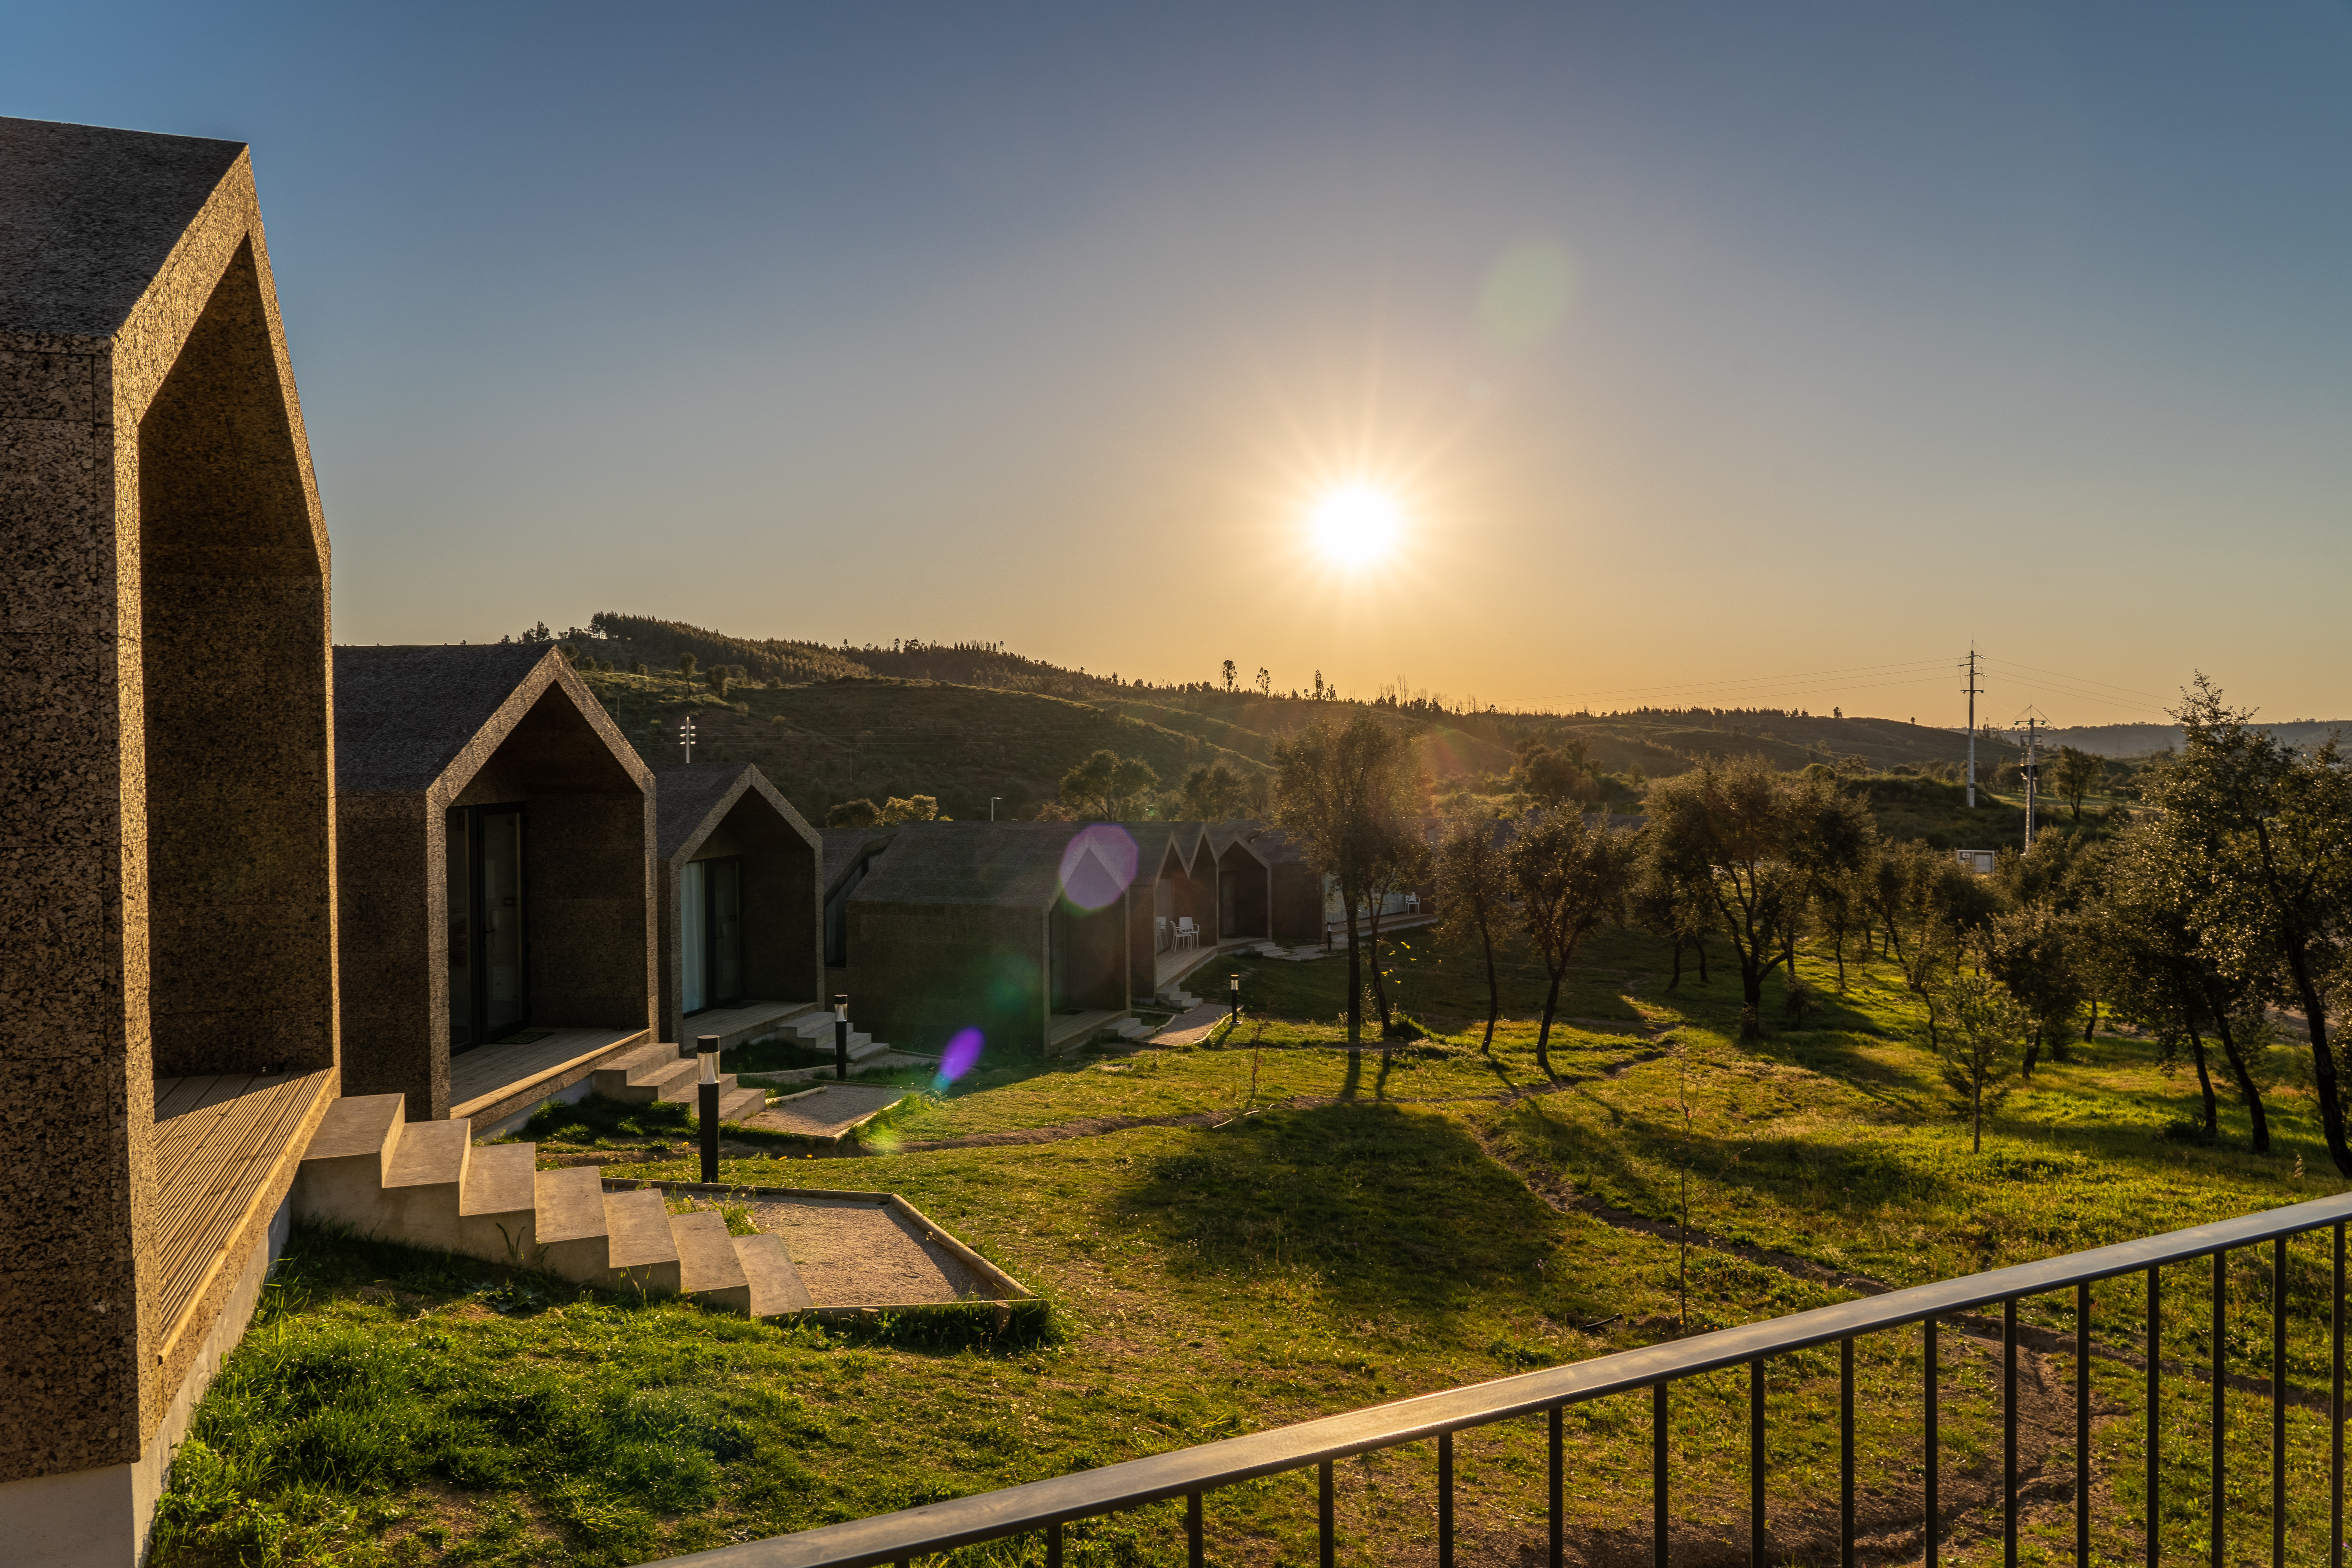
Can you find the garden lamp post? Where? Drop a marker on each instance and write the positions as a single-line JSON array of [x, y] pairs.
[[1233, 994], [841, 1036], [706, 1050]]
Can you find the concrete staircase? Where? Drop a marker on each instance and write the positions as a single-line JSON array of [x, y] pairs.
[[814, 1030], [653, 1075], [426, 1184]]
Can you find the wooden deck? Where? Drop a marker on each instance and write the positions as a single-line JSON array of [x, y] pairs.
[[218, 1142], [499, 1079], [1178, 963]]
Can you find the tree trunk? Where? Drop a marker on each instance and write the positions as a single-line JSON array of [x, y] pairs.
[[2205, 1083], [2092, 1028], [1677, 979], [1494, 987], [1355, 977], [1543, 1034], [2245, 1081], [2032, 1055], [2322, 1060], [1839, 942], [1976, 1110], [1379, 986], [1700, 942]]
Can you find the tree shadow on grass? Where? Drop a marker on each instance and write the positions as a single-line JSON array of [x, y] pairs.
[[1387, 1208]]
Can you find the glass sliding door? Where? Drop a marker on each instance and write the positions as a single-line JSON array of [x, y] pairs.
[[489, 956], [710, 934], [693, 945], [726, 882]]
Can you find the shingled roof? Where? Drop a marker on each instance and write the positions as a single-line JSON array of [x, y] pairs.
[[89, 215], [403, 714]]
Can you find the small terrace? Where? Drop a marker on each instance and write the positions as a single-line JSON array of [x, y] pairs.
[[493, 1083]]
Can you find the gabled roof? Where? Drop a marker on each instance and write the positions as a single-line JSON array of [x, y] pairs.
[[89, 215], [846, 848], [690, 802], [405, 716], [1015, 864], [1156, 843]]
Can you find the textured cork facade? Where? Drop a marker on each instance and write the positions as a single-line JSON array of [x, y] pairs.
[[433, 744], [165, 816], [731, 850]]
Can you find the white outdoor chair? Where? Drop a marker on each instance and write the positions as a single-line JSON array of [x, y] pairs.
[[1412, 903], [1187, 933]]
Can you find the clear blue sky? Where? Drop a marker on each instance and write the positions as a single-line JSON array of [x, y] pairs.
[[1700, 345]]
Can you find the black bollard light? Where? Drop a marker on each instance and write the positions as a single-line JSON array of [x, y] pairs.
[[841, 1036], [1233, 994], [706, 1050]]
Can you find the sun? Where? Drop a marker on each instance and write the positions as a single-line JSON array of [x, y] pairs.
[[1356, 524]]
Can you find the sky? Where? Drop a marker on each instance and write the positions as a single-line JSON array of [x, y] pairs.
[[1727, 355]]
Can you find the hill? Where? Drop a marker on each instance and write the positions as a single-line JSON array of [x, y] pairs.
[[968, 722], [2147, 740]]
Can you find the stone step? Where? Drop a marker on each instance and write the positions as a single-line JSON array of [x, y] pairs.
[[430, 1155], [686, 1091], [498, 1203], [641, 1250], [775, 1285], [341, 1180], [569, 1224], [708, 1267], [654, 1084], [734, 1104], [614, 1080]]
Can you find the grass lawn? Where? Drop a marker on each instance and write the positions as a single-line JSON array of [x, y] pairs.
[[1326, 1232]]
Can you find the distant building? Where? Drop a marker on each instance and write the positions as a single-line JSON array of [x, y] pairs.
[[741, 883], [1981, 861]]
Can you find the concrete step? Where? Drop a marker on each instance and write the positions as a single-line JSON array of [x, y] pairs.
[[654, 1084], [708, 1267], [641, 1250], [775, 1285], [568, 1227], [614, 1080], [685, 1090], [734, 1104], [498, 1203], [341, 1181]]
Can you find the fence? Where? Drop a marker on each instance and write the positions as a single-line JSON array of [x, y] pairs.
[[1193, 1473]]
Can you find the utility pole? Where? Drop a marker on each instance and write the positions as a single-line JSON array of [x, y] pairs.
[[1973, 691], [685, 737], [2033, 722]]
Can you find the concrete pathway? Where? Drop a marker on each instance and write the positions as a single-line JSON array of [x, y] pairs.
[[830, 1111], [1191, 1027]]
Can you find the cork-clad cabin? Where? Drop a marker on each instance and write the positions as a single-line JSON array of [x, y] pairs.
[[167, 997], [741, 882], [1016, 929], [497, 866]]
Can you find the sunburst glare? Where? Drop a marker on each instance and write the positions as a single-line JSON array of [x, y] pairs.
[[1356, 525]]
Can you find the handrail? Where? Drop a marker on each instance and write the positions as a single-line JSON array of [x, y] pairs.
[[1011, 1510]]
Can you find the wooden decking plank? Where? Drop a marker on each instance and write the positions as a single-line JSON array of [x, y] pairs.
[[208, 1174], [174, 1095], [483, 1077]]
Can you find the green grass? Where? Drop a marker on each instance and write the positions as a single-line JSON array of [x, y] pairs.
[[1375, 1226]]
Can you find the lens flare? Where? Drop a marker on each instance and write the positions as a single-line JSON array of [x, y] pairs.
[[1357, 524], [1098, 864], [961, 1057]]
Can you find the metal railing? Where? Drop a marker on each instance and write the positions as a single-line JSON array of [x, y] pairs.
[[1191, 1473]]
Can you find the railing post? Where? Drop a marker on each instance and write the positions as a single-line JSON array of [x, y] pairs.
[[1931, 1532], [2152, 1528], [2008, 1433], [1756, 1463], [1445, 1500], [2220, 1413], [2083, 1424], [1325, 1523], [2336, 1411], [1845, 1453], [1192, 1529], [2278, 1401], [1558, 1466], [1053, 1545], [1658, 1403]]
